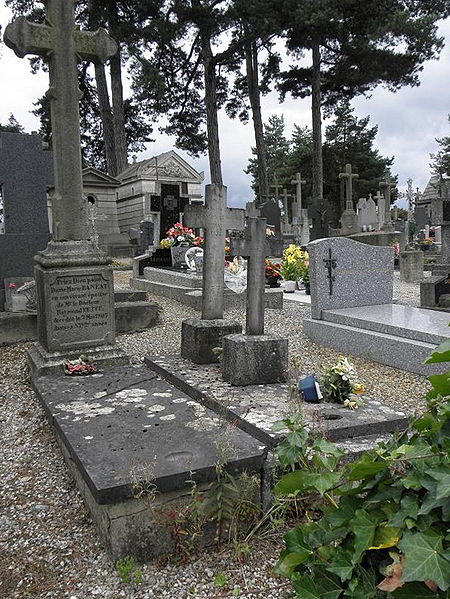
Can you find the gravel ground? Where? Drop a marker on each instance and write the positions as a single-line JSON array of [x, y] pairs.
[[48, 544]]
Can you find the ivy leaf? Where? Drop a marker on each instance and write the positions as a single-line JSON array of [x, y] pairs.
[[346, 511], [327, 583], [440, 354], [364, 467], [342, 564], [408, 509], [287, 454], [363, 526], [295, 541], [424, 559], [291, 483], [322, 481], [442, 475], [441, 385], [328, 448], [385, 536], [414, 590], [304, 586]]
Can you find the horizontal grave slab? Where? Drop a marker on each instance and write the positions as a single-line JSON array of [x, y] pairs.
[[255, 408], [128, 420]]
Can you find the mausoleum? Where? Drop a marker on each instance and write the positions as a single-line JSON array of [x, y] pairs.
[[157, 190]]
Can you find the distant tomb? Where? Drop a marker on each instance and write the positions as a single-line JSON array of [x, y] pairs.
[[26, 170]]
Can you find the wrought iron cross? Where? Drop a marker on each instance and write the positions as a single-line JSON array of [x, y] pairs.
[[330, 265]]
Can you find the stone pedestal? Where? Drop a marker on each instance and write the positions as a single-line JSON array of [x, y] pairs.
[[200, 337], [75, 306], [255, 359], [411, 266]]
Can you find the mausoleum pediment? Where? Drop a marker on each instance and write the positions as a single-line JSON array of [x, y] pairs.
[[166, 166], [92, 176]]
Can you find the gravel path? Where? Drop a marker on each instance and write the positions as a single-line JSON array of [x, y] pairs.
[[48, 545]]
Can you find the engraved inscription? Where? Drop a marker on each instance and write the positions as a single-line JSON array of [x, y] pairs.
[[80, 302]]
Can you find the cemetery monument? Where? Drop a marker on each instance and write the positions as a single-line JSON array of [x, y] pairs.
[[255, 358], [73, 278]]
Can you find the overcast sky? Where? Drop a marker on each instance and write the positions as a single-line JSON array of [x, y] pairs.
[[408, 121]]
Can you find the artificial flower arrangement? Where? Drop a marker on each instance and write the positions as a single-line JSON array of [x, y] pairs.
[[180, 235], [80, 367], [340, 385], [272, 271], [235, 274], [293, 264]]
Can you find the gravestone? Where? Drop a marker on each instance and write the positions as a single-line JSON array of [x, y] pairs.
[[367, 214], [74, 282], [146, 236], [411, 266], [348, 273], [352, 309], [255, 358], [26, 170], [200, 336], [270, 210]]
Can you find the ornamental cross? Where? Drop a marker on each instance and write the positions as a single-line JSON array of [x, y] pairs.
[[348, 176], [216, 219], [330, 265], [61, 43], [255, 246]]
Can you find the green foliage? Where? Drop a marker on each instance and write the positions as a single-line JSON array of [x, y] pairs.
[[381, 527], [220, 580], [12, 126], [441, 160], [128, 570]]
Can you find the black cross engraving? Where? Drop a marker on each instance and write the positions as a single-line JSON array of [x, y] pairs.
[[330, 264]]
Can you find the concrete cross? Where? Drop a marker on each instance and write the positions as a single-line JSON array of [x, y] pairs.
[[387, 185], [61, 43], [276, 186], [379, 198], [298, 182], [285, 197], [348, 176], [255, 246], [216, 219]]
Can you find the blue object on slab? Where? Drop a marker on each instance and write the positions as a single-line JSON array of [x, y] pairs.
[[308, 388]]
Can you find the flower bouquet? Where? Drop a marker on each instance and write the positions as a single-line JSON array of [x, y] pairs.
[[235, 274], [273, 275], [81, 366], [292, 266], [339, 383]]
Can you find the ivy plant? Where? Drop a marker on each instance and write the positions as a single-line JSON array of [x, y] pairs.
[[380, 526]]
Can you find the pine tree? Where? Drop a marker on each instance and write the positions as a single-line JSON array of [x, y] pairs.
[[441, 160], [12, 126]]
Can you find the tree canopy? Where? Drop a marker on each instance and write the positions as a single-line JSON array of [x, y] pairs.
[[441, 160]]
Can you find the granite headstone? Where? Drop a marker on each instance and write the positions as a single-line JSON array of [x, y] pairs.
[[346, 273]]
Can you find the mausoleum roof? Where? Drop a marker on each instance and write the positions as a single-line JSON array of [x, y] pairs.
[[167, 166], [436, 187]]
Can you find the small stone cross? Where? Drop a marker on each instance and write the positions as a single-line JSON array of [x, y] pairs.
[[285, 197], [216, 219], [348, 176], [255, 246], [62, 43], [387, 186], [276, 186], [298, 182]]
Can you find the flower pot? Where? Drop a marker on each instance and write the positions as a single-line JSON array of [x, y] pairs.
[[273, 281], [289, 286]]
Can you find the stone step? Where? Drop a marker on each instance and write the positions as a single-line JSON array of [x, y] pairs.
[[399, 352], [407, 322]]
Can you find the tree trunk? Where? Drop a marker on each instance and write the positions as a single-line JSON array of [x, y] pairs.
[[251, 60], [107, 120], [120, 137], [318, 213], [212, 125]]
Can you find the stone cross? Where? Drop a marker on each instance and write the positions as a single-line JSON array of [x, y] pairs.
[[276, 186], [379, 198], [255, 246], [387, 185], [59, 41], [298, 182], [348, 176], [216, 219], [285, 196]]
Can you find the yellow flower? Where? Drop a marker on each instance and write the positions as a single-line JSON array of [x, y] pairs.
[[358, 388]]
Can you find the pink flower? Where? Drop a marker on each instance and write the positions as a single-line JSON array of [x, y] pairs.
[[12, 285]]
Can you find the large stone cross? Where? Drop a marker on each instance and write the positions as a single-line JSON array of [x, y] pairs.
[[216, 219], [285, 197], [59, 41], [276, 186], [348, 176], [387, 186], [379, 198], [255, 246]]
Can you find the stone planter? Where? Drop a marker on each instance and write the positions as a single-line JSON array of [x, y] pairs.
[[289, 286], [273, 281], [178, 253]]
